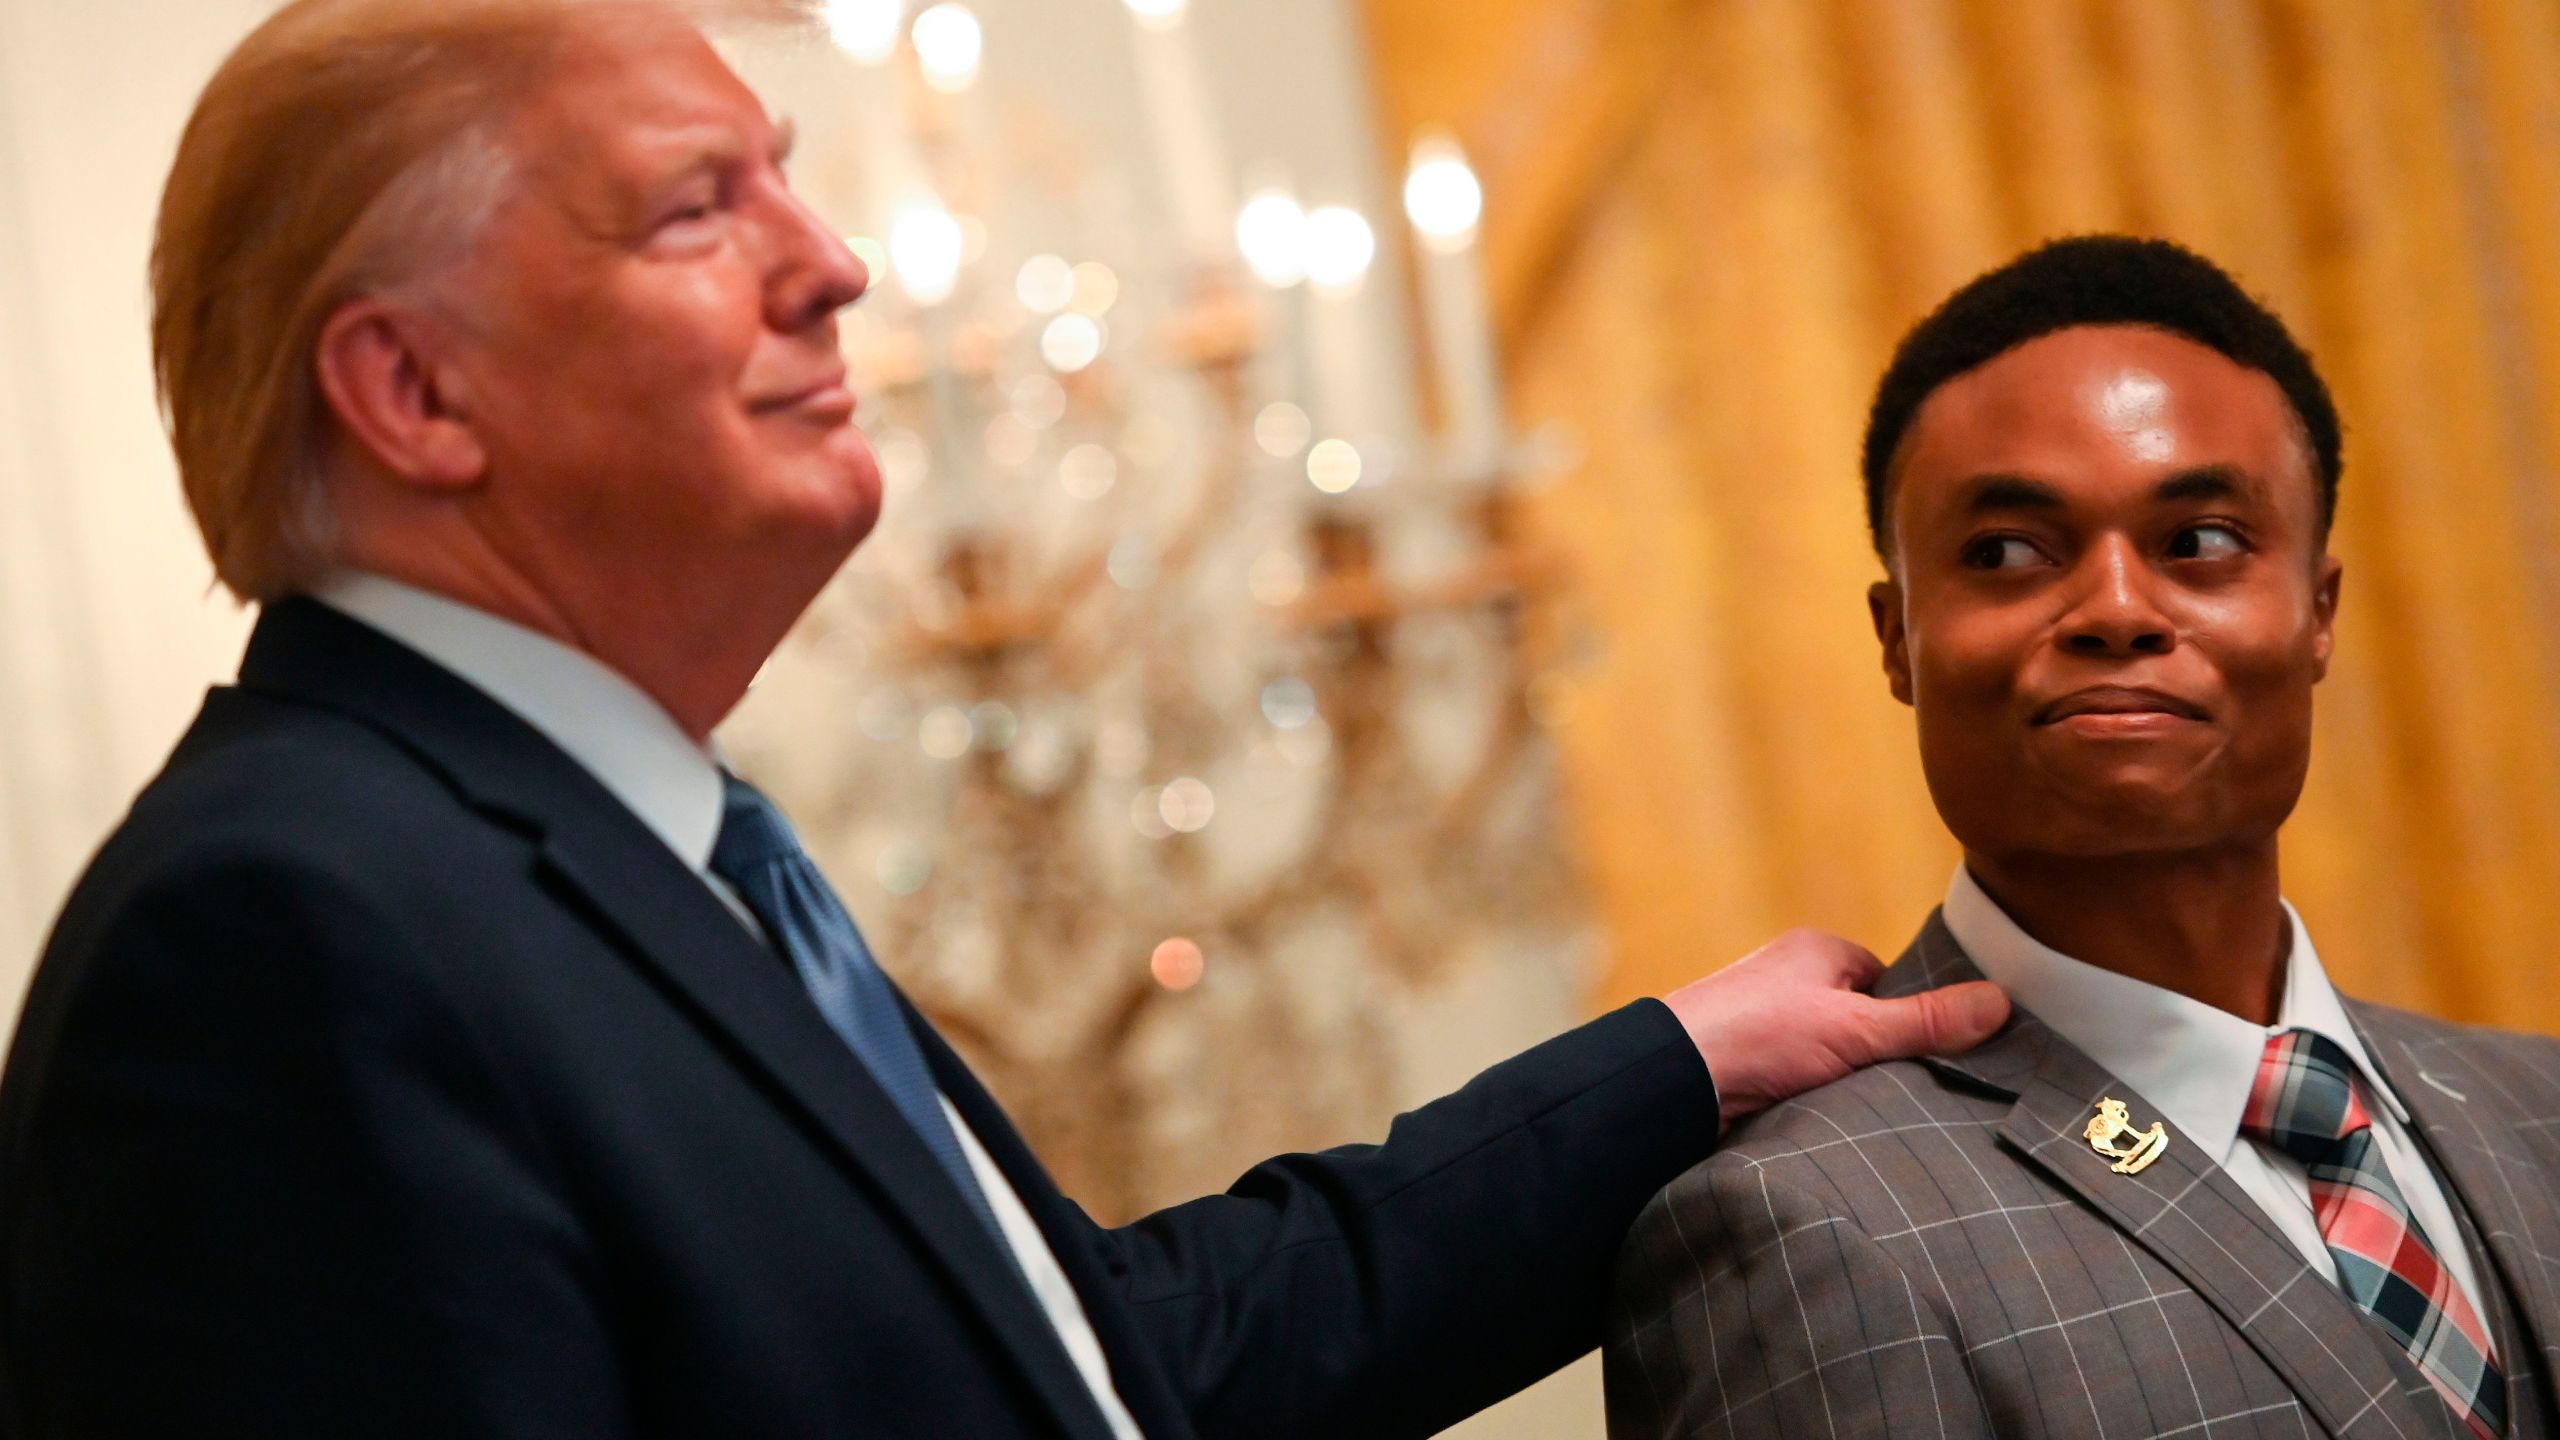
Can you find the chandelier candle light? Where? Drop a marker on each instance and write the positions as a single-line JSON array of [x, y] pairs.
[[1185, 128], [1339, 249], [1444, 201], [867, 29], [949, 45], [1271, 234], [926, 249], [1133, 716], [870, 31]]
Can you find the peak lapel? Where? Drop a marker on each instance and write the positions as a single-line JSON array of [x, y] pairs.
[[2185, 1212], [2470, 1120], [669, 923]]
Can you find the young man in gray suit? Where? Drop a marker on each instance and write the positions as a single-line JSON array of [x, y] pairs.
[[2191, 1190]]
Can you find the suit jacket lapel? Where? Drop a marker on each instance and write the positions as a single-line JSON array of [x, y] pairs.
[[669, 923], [1135, 1371], [2467, 1118], [676, 928], [2186, 1213]]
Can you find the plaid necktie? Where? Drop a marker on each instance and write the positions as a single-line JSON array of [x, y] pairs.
[[2307, 1104], [759, 855]]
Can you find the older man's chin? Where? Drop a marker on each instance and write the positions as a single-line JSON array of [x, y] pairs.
[[847, 474]]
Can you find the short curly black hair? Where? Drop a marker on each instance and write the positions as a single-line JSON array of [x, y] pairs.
[[2093, 280]]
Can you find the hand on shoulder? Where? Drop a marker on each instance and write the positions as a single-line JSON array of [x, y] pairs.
[[1794, 1014]]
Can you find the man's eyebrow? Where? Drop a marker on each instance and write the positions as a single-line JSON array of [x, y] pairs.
[[1992, 493], [2206, 482], [679, 153]]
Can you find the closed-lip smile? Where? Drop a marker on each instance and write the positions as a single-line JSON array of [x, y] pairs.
[[827, 389], [2118, 700]]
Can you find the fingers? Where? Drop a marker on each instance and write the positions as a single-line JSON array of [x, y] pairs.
[[1860, 969], [1939, 1022], [1822, 956]]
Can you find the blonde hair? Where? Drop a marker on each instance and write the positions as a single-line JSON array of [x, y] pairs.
[[347, 147]]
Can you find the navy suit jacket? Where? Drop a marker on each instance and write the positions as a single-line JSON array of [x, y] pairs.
[[386, 1077]]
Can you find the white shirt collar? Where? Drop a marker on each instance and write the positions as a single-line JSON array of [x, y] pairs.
[[587, 708], [2195, 1062]]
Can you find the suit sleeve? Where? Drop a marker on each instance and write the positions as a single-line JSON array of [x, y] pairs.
[[264, 1181], [1392, 1289], [1747, 1308]]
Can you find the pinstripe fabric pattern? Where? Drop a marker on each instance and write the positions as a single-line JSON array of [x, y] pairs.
[[1932, 1249]]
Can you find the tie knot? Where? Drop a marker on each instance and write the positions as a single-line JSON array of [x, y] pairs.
[[753, 833], [2304, 1101]]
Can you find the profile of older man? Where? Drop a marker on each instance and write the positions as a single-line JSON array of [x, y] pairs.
[[446, 1046]]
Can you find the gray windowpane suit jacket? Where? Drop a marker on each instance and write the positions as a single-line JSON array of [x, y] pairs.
[[1932, 1249]]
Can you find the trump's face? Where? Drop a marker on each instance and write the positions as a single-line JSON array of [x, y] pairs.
[[2111, 598], [648, 338]]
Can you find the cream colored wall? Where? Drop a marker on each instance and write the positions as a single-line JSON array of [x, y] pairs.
[[108, 633]]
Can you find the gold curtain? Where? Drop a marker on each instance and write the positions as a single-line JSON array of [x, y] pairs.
[[1708, 220]]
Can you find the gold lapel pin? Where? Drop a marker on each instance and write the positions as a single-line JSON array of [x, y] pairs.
[[2111, 1134]]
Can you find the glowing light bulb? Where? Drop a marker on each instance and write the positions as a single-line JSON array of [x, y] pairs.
[[1272, 232], [1096, 288], [1339, 246], [1088, 471], [949, 43], [1333, 466], [1045, 284], [945, 732], [1441, 194], [1158, 14], [866, 29], [1186, 805], [924, 252], [1282, 429], [1071, 342], [1178, 963]]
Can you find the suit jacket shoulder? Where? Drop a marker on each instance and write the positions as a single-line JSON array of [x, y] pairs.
[[2530, 1061], [1935, 1248], [1789, 1275]]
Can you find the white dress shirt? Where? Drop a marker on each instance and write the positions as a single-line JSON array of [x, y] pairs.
[[2198, 1064], [631, 745]]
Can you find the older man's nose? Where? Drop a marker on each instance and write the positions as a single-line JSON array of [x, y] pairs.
[[819, 273]]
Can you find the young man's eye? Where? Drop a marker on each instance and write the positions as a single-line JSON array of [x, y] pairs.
[[1999, 552], [2206, 542]]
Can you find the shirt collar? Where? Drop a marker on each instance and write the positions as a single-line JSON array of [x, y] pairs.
[[605, 723], [2197, 1063]]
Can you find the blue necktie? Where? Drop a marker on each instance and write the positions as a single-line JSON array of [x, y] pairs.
[[758, 854]]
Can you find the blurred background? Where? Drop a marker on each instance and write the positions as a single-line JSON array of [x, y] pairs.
[[1375, 570]]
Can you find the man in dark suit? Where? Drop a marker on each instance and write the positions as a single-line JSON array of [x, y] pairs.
[[2191, 1190], [446, 1046]]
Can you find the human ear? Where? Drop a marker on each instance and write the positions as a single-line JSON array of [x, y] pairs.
[[379, 364], [1884, 608], [2324, 614]]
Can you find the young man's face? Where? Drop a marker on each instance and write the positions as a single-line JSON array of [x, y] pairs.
[[2111, 598]]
